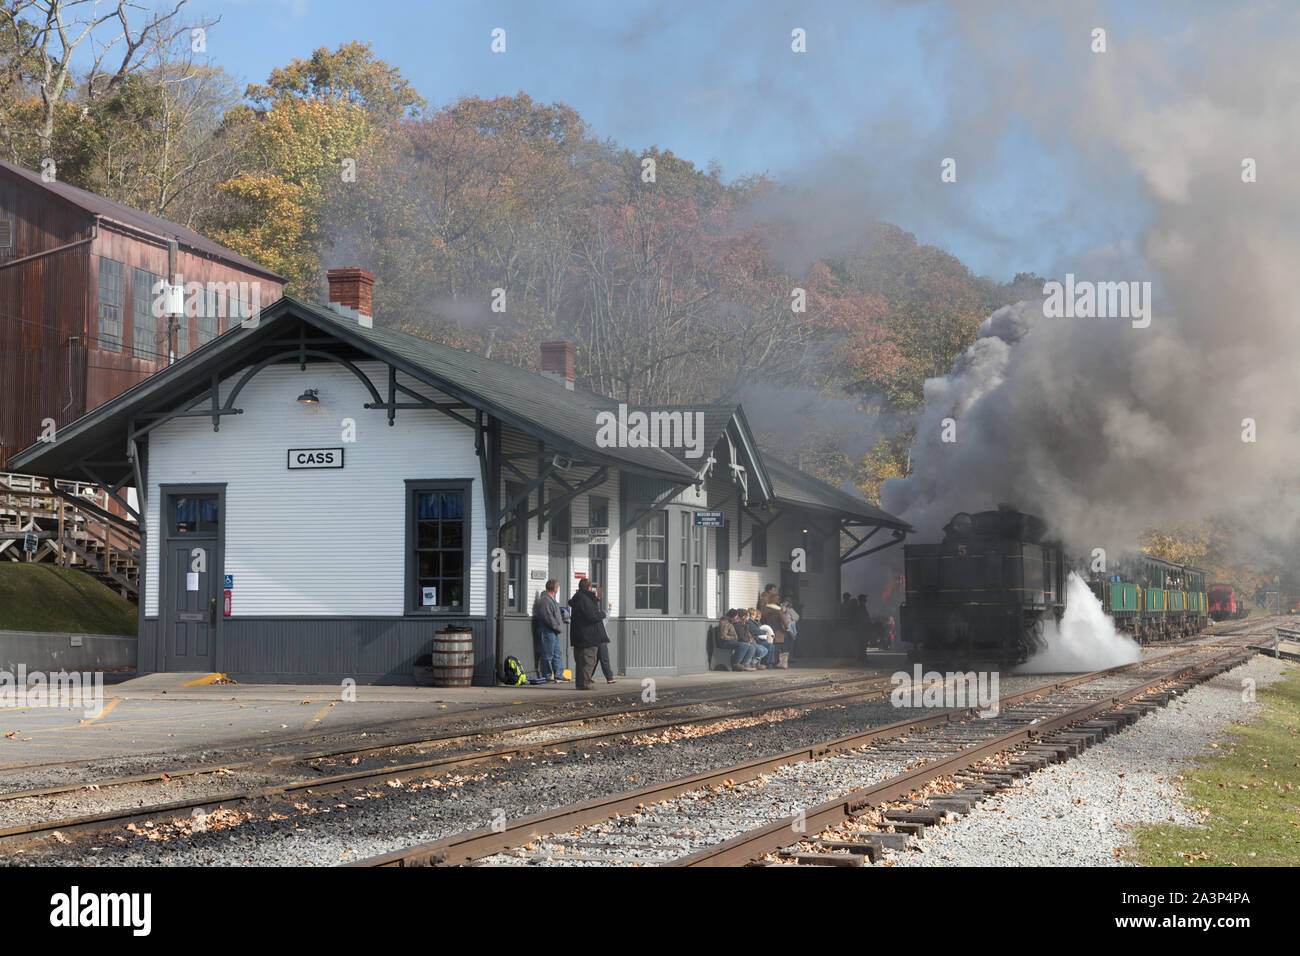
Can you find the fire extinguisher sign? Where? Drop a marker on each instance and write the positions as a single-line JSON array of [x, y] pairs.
[[226, 604]]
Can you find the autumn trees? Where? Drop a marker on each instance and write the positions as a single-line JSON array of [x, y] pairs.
[[492, 223], [40, 39]]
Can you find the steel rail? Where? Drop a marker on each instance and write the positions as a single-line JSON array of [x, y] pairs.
[[466, 847], [746, 847], [497, 730], [25, 834]]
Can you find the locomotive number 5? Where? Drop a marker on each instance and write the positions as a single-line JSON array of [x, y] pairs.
[[961, 549]]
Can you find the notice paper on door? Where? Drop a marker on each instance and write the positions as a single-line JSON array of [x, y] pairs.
[[191, 580]]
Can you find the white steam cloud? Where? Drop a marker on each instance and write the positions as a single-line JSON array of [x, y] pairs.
[[1085, 640]]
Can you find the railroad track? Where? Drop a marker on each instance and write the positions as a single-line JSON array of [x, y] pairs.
[[882, 785], [872, 683], [632, 707], [27, 835]]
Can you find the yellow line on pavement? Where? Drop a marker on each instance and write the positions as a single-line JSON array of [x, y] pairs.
[[316, 717], [107, 707], [207, 679]]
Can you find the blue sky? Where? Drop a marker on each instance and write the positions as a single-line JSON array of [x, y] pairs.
[[870, 103]]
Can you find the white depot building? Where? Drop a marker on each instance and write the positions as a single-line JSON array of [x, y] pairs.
[[321, 494]]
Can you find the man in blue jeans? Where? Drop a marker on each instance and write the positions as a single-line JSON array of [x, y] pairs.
[[549, 622]]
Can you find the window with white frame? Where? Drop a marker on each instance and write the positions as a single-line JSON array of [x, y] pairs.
[[650, 570]]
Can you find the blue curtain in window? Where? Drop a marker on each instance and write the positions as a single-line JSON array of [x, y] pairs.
[[432, 505], [191, 511], [187, 511]]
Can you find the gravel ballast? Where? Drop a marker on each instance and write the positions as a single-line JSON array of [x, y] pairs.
[[342, 827], [1081, 812]]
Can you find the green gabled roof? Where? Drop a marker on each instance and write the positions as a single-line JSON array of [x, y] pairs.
[[565, 419], [717, 418], [794, 487], [532, 402]]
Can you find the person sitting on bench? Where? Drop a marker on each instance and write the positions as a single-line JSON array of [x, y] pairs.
[[743, 651]]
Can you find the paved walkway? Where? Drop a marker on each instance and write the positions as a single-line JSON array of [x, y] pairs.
[[188, 713]]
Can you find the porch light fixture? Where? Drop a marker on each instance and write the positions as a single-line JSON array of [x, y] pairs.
[[309, 397]]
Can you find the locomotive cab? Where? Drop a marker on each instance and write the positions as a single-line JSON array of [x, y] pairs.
[[984, 592]]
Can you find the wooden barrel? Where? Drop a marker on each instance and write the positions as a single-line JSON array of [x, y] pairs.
[[453, 657]]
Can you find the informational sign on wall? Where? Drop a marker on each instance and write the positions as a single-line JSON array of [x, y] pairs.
[[537, 575], [191, 580], [592, 535], [31, 543], [710, 519], [226, 605], [429, 596]]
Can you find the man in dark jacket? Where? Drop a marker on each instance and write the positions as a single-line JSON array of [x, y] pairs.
[[586, 633]]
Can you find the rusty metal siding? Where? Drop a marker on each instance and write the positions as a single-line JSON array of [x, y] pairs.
[[50, 362], [109, 372], [42, 317]]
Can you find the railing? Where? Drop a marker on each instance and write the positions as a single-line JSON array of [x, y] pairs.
[[76, 525], [1284, 632]]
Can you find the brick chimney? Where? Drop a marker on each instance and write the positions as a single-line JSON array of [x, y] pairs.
[[558, 362], [350, 294]]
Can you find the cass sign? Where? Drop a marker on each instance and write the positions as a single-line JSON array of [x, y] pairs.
[[315, 458]]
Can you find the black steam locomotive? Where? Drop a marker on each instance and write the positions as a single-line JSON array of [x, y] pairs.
[[983, 594]]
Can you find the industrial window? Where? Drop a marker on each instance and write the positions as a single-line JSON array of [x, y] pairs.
[[598, 554], [758, 546], [6, 233], [144, 334], [437, 542], [208, 322], [110, 304], [514, 536], [651, 564], [182, 335]]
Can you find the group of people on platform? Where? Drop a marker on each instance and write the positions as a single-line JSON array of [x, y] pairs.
[[760, 637], [586, 620]]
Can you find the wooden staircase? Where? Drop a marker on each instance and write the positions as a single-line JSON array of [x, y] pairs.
[[77, 525]]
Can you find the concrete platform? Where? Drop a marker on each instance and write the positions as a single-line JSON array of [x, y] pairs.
[[186, 714]]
